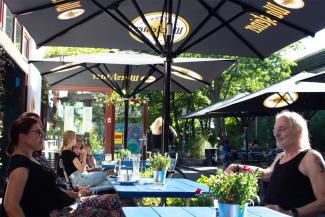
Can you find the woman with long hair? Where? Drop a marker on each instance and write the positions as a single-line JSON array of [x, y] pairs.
[[156, 137], [76, 168], [32, 190]]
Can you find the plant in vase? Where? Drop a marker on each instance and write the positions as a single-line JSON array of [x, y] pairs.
[[233, 191], [125, 154], [160, 163]]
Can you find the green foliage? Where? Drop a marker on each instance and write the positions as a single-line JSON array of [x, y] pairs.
[[147, 173], [159, 161], [197, 146], [95, 142], [69, 51], [124, 153], [233, 188]]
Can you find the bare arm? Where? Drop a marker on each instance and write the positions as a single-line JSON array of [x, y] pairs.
[[265, 174], [81, 166], [173, 131], [14, 192], [313, 166]]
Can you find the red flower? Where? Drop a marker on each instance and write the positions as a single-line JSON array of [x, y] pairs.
[[247, 169], [198, 191]]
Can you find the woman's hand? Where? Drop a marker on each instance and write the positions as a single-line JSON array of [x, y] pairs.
[[83, 153]]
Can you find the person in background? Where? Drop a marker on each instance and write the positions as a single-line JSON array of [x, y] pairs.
[[31, 189], [75, 168], [90, 157], [156, 137], [297, 175]]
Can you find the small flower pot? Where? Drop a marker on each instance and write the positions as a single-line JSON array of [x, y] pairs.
[[159, 176], [232, 210]]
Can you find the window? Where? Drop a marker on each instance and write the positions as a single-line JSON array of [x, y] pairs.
[[25, 48], [1, 14], [18, 35], [8, 24]]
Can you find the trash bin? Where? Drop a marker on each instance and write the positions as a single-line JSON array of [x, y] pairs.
[[210, 156]]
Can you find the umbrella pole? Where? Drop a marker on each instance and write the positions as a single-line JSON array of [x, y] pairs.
[[246, 142], [166, 110], [167, 65], [126, 118]]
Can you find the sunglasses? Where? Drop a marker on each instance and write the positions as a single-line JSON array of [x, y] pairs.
[[38, 132]]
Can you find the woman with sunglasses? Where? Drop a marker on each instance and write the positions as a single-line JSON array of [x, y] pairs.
[[31, 189]]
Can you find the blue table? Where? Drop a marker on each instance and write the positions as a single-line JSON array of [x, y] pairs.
[[177, 188], [257, 211]]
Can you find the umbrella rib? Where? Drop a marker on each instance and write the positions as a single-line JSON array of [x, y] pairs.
[[61, 69], [176, 18], [140, 12], [305, 31], [67, 29], [117, 88], [197, 29], [174, 81], [209, 33], [135, 91], [134, 29], [191, 77], [63, 79], [100, 78], [227, 24], [148, 85], [139, 33], [114, 84], [30, 10]]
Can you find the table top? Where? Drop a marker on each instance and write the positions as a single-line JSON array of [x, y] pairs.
[[256, 211], [179, 188]]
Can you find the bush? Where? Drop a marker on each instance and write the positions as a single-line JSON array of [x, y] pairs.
[[197, 146]]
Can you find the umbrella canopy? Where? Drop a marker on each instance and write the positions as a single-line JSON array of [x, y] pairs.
[[171, 27], [288, 94], [203, 113], [142, 71], [319, 77], [234, 27]]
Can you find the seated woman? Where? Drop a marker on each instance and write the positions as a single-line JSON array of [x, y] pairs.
[[31, 189], [90, 164], [75, 168]]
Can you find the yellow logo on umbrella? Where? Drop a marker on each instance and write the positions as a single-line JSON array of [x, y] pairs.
[[158, 25], [292, 4], [279, 100]]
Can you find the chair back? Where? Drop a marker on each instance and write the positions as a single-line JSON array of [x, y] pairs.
[[62, 168]]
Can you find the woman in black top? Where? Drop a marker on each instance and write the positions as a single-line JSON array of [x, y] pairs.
[[156, 136], [31, 189]]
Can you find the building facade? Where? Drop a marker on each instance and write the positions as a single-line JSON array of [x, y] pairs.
[[20, 82]]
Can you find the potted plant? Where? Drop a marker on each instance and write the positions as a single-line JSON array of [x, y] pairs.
[[233, 191], [125, 154], [159, 163]]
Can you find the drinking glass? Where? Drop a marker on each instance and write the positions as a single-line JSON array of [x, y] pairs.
[[136, 165]]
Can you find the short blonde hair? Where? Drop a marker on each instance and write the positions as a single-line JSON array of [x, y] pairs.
[[156, 126], [296, 122]]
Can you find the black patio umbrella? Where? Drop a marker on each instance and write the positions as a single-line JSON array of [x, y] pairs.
[[142, 72], [171, 27], [319, 77], [288, 94]]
